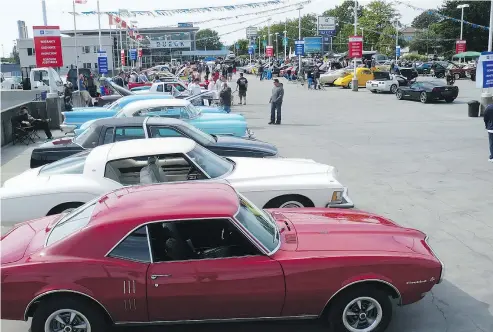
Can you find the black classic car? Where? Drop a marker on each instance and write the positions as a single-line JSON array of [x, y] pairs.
[[428, 91], [109, 130]]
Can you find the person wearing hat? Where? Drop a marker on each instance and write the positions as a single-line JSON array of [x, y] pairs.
[[276, 102]]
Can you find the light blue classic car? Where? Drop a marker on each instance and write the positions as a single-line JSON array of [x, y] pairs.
[[211, 123], [80, 115]]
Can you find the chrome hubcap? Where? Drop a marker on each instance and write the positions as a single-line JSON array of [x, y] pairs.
[[291, 204], [423, 97], [67, 320], [362, 315]]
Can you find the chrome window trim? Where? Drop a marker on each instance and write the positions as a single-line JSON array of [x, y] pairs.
[[358, 282], [132, 259], [144, 126], [149, 244], [442, 272], [225, 320], [63, 291], [248, 236]]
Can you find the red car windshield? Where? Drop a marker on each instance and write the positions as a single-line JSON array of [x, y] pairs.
[[258, 224]]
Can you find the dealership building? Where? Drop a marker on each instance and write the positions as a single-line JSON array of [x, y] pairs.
[[159, 45]]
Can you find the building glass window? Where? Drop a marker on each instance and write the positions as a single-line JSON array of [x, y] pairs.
[[87, 65], [95, 65], [86, 49], [30, 51], [95, 49]]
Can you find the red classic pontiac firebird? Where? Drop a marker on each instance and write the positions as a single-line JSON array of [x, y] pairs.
[[201, 252]]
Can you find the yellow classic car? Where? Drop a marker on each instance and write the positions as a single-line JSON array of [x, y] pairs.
[[363, 75]]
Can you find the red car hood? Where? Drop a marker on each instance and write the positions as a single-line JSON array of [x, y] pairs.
[[342, 230], [26, 238]]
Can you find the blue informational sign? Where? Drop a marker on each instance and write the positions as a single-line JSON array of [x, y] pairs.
[[250, 50], [487, 66], [327, 32], [132, 53], [237, 46], [255, 46], [102, 62], [398, 51], [284, 41], [185, 25], [264, 43], [299, 47], [313, 44]]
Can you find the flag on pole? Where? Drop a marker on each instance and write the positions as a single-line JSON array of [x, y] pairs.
[[112, 20], [81, 2]]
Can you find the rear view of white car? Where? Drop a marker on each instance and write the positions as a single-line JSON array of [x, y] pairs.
[[71, 182], [383, 82]]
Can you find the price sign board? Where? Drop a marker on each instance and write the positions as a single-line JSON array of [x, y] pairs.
[[269, 51], [355, 46], [460, 46], [48, 46], [122, 55]]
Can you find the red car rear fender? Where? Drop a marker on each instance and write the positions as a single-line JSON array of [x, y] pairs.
[[63, 289]]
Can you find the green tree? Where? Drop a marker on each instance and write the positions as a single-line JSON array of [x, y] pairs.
[[208, 39], [477, 38], [424, 20], [243, 43], [425, 41], [379, 21]]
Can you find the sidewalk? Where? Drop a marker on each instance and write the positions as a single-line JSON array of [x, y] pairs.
[[15, 158]]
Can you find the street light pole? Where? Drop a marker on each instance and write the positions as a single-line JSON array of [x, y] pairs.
[[355, 78], [461, 7], [396, 38], [277, 48], [299, 36], [285, 44]]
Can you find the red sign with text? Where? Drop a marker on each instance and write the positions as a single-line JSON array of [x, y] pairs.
[[122, 54], [460, 46], [139, 53], [269, 51], [48, 46], [355, 46]]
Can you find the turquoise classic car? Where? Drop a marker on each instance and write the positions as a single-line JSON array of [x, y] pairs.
[[206, 102], [211, 123]]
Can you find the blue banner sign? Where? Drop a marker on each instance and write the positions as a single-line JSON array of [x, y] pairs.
[[132, 53], [102, 62], [398, 51], [250, 50], [299, 47], [185, 25], [313, 44]]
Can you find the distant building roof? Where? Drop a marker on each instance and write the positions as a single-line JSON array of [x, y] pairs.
[[409, 30]]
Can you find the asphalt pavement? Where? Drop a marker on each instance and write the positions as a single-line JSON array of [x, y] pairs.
[[422, 165]]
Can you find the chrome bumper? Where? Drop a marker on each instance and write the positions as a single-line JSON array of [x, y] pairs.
[[347, 203], [68, 128]]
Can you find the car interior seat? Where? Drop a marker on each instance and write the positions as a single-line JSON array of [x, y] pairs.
[[152, 173]]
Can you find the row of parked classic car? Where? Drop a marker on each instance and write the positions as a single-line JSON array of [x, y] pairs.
[[166, 210]]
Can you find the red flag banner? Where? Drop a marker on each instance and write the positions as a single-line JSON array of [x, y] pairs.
[[81, 2]]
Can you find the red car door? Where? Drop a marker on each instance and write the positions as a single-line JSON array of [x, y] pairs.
[[238, 287]]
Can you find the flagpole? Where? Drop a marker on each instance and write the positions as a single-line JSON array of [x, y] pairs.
[[99, 29], [76, 48], [121, 39]]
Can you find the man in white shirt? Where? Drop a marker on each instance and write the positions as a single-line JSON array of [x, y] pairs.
[[194, 87]]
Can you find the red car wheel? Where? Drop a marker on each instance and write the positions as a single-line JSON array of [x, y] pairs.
[[67, 313], [361, 308]]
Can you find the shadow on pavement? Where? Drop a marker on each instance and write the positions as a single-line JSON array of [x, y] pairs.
[[447, 308]]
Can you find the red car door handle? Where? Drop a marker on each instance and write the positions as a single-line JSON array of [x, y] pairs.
[[155, 276]]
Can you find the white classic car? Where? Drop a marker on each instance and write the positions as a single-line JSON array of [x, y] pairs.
[[385, 82], [72, 181], [330, 76]]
